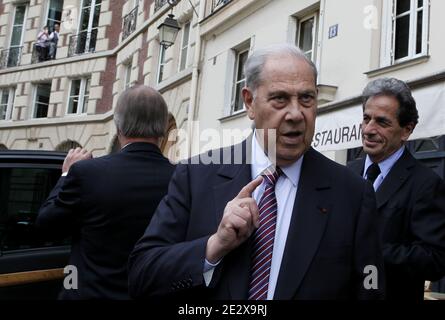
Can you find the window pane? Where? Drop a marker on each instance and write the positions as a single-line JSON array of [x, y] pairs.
[[86, 96], [54, 13], [85, 104], [14, 56], [73, 104], [85, 18], [306, 32], [19, 15], [96, 16], [185, 38], [419, 3], [402, 37], [87, 87], [74, 96], [22, 192], [127, 76], [238, 97], [403, 6], [3, 108], [5, 97], [42, 100], [92, 40], [161, 63], [419, 32], [183, 59], [86, 3], [75, 87], [185, 43], [242, 62], [16, 38]]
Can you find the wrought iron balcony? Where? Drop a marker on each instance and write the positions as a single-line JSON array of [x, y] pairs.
[[216, 4], [129, 23], [84, 42], [41, 54], [10, 57], [159, 4]]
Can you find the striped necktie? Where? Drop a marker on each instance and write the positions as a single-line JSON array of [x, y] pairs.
[[264, 238]]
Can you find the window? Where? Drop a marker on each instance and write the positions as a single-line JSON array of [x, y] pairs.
[[55, 9], [161, 63], [239, 80], [184, 46], [41, 100], [79, 94], [307, 34], [15, 45], [89, 21], [22, 192], [127, 78], [6, 103], [405, 34]]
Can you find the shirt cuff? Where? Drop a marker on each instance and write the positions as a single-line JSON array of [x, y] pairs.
[[208, 271], [64, 174]]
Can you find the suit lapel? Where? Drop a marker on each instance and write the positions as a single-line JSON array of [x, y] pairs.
[[357, 166], [395, 178], [308, 223], [232, 178]]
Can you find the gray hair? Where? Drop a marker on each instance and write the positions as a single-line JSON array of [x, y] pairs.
[[141, 112], [256, 61], [407, 112]]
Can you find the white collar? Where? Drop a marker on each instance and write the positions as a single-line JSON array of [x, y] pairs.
[[260, 162], [385, 165]]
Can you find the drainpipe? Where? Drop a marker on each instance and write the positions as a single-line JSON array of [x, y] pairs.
[[195, 79], [320, 37]]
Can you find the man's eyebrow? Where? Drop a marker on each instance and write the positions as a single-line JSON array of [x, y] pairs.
[[308, 91], [278, 92], [383, 119]]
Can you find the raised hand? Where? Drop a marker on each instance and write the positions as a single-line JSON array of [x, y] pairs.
[[73, 156], [240, 219]]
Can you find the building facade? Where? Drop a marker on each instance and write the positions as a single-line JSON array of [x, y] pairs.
[[106, 46]]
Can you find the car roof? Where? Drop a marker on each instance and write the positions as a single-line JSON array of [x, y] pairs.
[[31, 156]]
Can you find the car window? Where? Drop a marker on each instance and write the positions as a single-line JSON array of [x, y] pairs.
[[22, 192]]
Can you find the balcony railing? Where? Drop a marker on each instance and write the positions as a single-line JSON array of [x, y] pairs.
[[159, 4], [41, 54], [10, 57], [84, 42], [129, 23], [216, 4]]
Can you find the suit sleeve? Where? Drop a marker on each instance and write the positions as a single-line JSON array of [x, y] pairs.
[[164, 261], [59, 213], [369, 266], [424, 255]]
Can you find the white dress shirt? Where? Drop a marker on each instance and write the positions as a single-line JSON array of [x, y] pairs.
[[385, 166], [285, 192]]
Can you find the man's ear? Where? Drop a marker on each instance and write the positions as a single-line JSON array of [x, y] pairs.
[[248, 102], [407, 130]]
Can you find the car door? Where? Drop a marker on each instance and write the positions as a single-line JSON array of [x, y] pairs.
[[31, 265]]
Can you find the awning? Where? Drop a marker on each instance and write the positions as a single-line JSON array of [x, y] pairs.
[[341, 129]]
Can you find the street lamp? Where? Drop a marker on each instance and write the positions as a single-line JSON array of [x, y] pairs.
[[168, 30]]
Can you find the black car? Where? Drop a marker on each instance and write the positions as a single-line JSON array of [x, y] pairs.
[[31, 264]]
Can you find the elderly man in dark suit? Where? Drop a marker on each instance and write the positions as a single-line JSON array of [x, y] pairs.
[[107, 202], [282, 223], [410, 196]]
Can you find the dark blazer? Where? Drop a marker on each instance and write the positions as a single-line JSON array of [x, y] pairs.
[[411, 206], [106, 204], [332, 235]]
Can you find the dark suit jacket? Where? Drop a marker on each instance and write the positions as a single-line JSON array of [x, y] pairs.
[[106, 204], [332, 235], [411, 206]]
